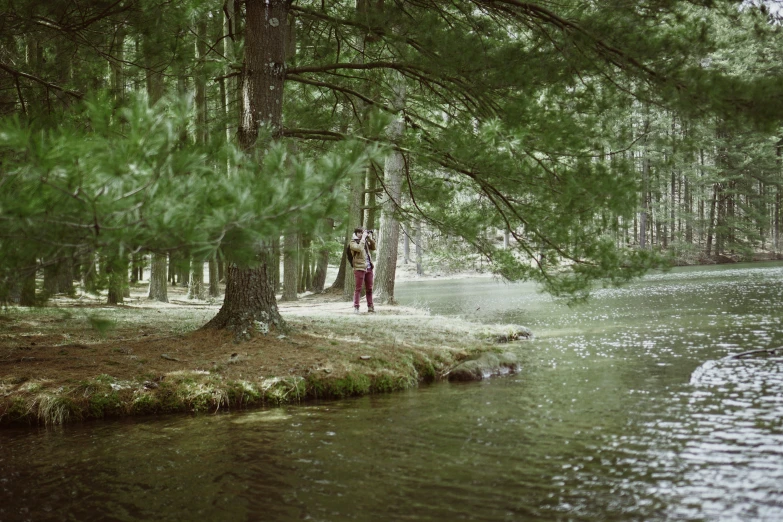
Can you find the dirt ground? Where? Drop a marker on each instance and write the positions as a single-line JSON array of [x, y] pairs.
[[75, 339]]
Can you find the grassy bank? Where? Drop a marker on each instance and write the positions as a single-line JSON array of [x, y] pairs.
[[75, 361]]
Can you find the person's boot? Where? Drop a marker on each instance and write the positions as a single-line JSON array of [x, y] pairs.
[[356, 310], [371, 310]]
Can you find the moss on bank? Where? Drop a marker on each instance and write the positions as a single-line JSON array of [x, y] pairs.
[[329, 354], [36, 402]]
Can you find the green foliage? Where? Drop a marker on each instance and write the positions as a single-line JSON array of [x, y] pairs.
[[523, 117], [122, 180]]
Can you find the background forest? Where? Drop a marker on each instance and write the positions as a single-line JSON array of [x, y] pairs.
[[563, 142]]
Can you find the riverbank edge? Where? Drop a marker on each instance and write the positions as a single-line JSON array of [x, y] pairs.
[[390, 369]]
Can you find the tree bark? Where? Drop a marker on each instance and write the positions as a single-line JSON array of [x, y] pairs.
[[116, 269], [158, 283], [27, 290], [249, 304], [711, 219], [214, 281], [418, 250], [154, 76], [355, 214], [290, 266], [406, 245], [196, 277], [394, 168]]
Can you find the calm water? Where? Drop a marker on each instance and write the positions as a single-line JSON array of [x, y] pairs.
[[623, 410]]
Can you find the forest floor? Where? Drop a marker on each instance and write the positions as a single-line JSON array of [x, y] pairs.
[[78, 358]]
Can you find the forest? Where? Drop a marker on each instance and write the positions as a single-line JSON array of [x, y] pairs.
[[567, 143], [179, 183]]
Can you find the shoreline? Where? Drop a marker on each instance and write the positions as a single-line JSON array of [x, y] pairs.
[[141, 364], [79, 359]]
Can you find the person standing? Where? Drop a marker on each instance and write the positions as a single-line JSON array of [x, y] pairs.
[[362, 243]]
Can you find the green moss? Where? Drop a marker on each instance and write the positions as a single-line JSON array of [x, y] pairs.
[[105, 404], [389, 382], [145, 403], [351, 384], [242, 393]]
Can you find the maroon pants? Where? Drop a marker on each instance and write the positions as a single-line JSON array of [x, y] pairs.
[[365, 277]]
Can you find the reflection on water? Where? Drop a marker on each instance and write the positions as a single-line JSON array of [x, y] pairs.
[[625, 410]]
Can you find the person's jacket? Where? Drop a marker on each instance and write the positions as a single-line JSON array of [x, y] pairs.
[[361, 254]]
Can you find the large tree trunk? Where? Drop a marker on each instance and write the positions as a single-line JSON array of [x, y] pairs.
[[250, 295], [249, 304], [390, 227]]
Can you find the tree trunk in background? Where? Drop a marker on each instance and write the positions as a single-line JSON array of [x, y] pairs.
[[117, 77], [154, 76], [355, 215], [306, 278], [88, 273], [27, 284], [406, 245], [214, 281], [116, 269], [290, 266], [419, 248], [196, 278], [322, 264], [339, 280], [688, 196], [196, 273], [158, 284], [372, 198], [711, 219], [390, 228], [50, 279], [645, 196], [250, 295]]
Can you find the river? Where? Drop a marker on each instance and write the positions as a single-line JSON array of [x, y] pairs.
[[624, 409]]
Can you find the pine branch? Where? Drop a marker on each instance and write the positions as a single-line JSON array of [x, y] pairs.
[[19, 74]]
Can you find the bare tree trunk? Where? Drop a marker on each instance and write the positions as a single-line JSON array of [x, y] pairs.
[[117, 76], [158, 283], [250, 295], [711, 219], [372, 198], [319, 278], [355, 220], [645, 198], [419, 249], [27, 286], [390, 227], [196, 278], [406, 245], [214, 282], [154, 75], [290, 266], [116, 267], [306, 277]]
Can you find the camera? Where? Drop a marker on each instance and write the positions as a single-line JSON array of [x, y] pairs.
[[370, 231]]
